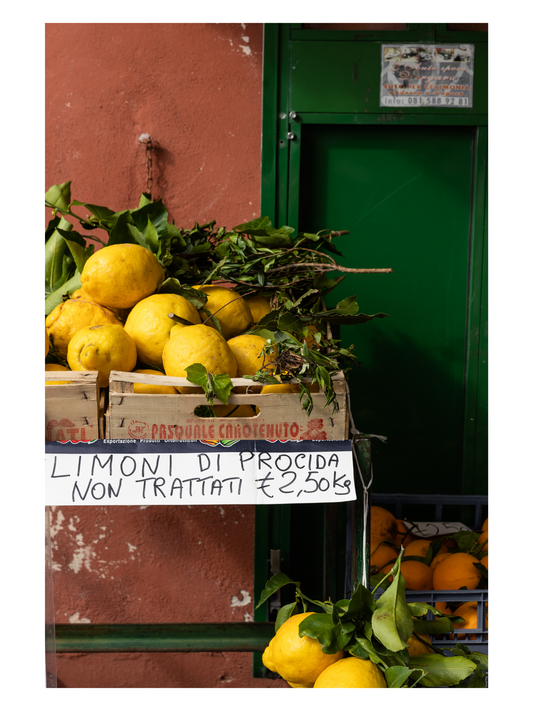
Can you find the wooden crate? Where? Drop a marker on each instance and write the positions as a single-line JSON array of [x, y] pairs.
[[171, 417], [74, 410]]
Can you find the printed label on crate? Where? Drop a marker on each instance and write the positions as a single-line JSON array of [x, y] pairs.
[[64, 429], [437, 75], [224, 428], [146, 472]]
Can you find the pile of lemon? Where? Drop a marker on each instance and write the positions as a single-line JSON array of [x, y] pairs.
[[303, 664], [118, 321], [450, 569]]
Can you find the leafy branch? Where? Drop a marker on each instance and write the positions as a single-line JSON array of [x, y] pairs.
[[379, 630]]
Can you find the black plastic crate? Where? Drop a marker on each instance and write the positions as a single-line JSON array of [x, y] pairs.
[[471, 510]]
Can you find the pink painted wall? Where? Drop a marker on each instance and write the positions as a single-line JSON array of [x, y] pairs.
[[196, 89]]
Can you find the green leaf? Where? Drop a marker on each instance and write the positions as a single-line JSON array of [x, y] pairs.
[[397, 676], [477, 680], [154, 213], [260, 223], [348, 306], [277, 581], [138, 236], [152, 238], [361, 603], [321, 627], [58, 196], [392, 621], [284, 613], [214, 386], [102, 214], [173, 286], [77, 246], [56, 297], [442, 625], [442, 670], [54, 253], [120, 233]]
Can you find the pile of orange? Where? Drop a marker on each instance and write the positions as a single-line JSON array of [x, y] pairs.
[[449, 569]]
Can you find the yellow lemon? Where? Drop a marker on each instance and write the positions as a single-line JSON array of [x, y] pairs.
[[46, 342], [103, 348], [51, 367], [149, 325], [198, 344], [231, 310], [120, 275], [70, 316], [234, 410], [259, 306], [82, 294], [287, 388], [152, 389], [248, 352], [351, 673], [299, 660]]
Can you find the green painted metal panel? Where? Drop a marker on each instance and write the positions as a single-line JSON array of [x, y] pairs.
[[343, 77], [404, 193]]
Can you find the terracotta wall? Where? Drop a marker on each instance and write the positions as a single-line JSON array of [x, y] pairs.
[[196, 89]]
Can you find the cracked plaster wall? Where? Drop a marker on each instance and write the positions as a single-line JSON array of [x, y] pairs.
[[196, 89]]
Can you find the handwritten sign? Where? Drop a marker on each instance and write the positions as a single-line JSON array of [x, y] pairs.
[[437, 75], [144, 472], [426, 529]]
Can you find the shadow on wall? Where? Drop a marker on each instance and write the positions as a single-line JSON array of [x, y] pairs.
[[413, 395]]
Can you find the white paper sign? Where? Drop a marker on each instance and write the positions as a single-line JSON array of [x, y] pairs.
[[141, 472]]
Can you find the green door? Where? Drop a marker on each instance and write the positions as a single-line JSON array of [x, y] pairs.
[[405, 195]]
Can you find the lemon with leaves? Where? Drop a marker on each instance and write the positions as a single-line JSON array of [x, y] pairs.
[[103, 348], [351, 673], [299, 660], [198, 344], [70, 316], [120, 275], [229, 307], [149, 324], [250, 354]]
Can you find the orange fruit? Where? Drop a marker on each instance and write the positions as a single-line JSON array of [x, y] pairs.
[[484, 538], [420, 547], [403, 537], [456, 571], [417, 575], [485, 561], [417, 647], [468, 611], [382, 555], [437, 559], [383, 526], [485, 526]]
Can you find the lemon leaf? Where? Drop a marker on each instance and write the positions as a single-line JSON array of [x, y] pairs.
[[321, 627], [277, 581], [397, 676], [441, 670], [392, 621], [58, 196]]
